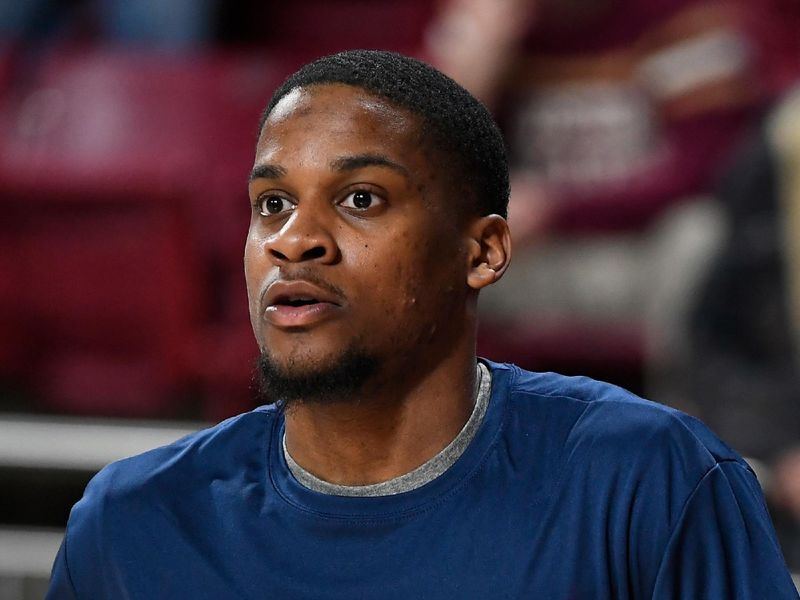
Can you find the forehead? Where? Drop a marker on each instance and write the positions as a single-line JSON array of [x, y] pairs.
[[339, 112]]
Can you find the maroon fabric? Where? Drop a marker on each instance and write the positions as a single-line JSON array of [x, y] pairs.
[[615, 23], [119, 174], [688, 149]]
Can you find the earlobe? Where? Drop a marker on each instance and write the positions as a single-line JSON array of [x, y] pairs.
[[489, 251], [482, 275]]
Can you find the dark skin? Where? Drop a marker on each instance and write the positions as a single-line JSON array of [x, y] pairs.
[[352, 210]]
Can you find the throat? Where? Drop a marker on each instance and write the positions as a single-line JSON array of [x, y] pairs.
[[356, 485]]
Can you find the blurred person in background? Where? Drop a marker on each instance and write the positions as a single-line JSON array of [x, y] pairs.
[[620, 115], [742, 374]]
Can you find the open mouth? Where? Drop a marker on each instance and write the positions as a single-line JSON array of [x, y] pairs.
[[299, 311], [295, 302], [300, 304]]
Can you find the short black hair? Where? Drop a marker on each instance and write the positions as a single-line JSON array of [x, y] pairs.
[[461, 127]]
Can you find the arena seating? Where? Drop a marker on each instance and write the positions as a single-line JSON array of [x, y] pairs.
[[119, 174]]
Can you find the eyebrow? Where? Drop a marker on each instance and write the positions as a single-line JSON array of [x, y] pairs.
[[267, 172], [359, 161], [343, 163]]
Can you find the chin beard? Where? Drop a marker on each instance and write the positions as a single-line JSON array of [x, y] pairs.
[[295, 383]]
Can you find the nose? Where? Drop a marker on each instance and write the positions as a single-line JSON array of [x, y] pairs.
[[304, 237]]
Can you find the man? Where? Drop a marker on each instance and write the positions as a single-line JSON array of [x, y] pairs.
[[393, 464]]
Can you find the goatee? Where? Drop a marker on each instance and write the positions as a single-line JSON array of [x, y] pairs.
[[294, 383]]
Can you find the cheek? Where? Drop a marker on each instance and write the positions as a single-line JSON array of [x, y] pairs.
[[414, 281], [253, 275], [256, 261], [250, 272]]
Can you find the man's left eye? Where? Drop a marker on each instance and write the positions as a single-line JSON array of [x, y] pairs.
[[361, 199]]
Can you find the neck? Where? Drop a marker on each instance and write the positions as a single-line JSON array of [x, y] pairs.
[[392, 427]]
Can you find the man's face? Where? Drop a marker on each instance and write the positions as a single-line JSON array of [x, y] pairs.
[[356, 252]]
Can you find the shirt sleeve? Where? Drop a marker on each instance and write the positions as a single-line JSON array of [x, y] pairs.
[[61, 587], [723, 545]]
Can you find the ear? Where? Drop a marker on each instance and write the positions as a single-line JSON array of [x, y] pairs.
[[489, 251]]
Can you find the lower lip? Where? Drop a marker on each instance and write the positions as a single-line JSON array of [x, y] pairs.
[[283, 315]]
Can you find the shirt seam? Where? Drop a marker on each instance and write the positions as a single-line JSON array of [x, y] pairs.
[[671, 416], [66, 563], [685, 508]]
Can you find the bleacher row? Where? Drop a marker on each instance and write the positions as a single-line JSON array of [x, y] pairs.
[[122, 187], [45, 463]]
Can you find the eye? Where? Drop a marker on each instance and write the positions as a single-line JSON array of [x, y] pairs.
[[273, 205], [361, 200]]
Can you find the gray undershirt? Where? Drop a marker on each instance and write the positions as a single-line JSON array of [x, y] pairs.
[[423, 474]]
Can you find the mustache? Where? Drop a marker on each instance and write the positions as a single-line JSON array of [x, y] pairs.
[[308, 275]]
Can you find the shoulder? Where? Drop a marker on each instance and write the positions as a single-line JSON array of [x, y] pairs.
[[183, 469], [193, 457], [625, 463], [596, 419], [157, 491]]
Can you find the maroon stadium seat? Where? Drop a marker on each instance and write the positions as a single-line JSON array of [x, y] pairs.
[[311, 28], [122, 177]]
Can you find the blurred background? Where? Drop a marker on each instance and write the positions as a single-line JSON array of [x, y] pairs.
[[655, 151]]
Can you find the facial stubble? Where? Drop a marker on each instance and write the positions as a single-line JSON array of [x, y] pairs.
[[296, 382]]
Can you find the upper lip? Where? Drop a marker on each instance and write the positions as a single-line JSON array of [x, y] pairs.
[[281, 292]]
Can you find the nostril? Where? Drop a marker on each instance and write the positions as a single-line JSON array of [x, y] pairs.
[[277, 254], [315, 252]]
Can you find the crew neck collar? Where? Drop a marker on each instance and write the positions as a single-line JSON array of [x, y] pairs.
[[397, 505], [432, 468]]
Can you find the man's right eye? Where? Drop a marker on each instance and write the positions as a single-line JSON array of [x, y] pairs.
[[273, 205]]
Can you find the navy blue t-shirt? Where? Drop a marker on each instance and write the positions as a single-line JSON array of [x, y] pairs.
[[571, 489]]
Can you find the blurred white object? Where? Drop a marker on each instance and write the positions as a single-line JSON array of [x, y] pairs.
[[81, 444]]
